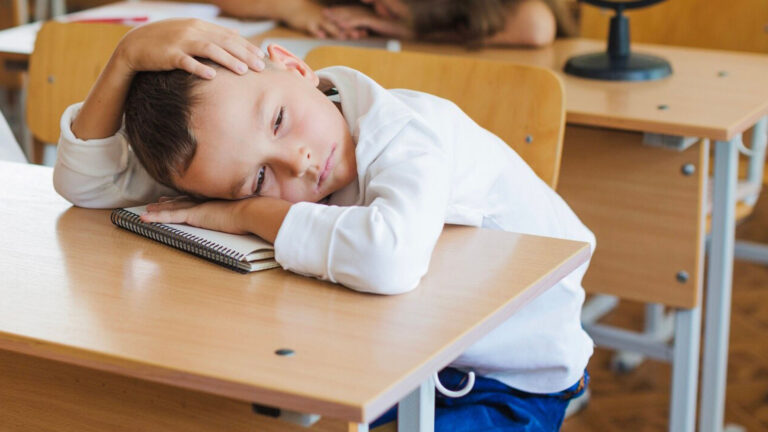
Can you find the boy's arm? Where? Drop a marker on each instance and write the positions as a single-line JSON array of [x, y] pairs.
[[165, 45], [95, 167], [383, 248]]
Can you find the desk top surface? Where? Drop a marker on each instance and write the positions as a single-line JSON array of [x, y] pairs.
[[77, 289], [710, 94]]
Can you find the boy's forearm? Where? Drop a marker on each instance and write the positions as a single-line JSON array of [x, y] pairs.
[[263, 216], [102, 113]]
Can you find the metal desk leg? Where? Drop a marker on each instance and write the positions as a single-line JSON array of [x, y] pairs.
[[416, 412], [719, 279], [685, 370]]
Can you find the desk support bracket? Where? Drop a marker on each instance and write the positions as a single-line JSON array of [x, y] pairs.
[[719, 280], [416, 412]]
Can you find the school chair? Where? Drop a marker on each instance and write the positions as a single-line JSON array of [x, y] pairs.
[[9, 148], [523, 105], [64, 64]]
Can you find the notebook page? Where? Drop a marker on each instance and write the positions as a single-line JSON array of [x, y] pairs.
[[245, 244]]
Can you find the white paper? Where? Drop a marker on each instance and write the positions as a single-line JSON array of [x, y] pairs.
[[244, 244]]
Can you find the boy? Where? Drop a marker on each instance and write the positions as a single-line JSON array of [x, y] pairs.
[[355, 191]]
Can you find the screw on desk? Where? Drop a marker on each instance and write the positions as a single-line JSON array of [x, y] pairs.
[[688, 169], [722, 74], [663, 107], [51, 79], [528, 139], [682, 276], [285, 352]]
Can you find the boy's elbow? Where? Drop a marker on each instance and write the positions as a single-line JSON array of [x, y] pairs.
[[390, 274]]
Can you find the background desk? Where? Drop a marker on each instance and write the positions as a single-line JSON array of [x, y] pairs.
[[648, 216], [177, 339]]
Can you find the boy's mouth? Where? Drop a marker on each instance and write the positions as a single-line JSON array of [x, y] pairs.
[[326, 168]]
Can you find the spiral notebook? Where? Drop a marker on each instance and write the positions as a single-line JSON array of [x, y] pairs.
[[243, 253]]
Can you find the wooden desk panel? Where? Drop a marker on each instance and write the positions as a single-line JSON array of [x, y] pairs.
[[646, 214], [79, 290], [37, 394]]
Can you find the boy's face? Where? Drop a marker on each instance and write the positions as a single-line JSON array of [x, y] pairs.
[[271, 133]]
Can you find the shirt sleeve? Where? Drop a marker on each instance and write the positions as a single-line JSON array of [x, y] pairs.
[[385, 246], [101, 173]]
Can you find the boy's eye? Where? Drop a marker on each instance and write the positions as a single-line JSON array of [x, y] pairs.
[[278, 120], [260, 180]]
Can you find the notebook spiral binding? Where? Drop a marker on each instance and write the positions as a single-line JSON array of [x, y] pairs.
[[206, 249]]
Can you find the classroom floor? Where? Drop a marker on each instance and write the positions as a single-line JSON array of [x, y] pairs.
[[639, 401]]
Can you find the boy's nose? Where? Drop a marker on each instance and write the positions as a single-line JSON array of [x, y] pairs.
[[301, 162]]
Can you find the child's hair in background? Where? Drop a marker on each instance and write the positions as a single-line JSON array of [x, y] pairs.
[[473, 20]]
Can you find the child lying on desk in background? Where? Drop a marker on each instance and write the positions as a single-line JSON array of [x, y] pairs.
[[530, 23], [354, 191]]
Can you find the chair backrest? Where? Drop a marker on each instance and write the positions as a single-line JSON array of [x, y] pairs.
[[65, 63], [9, 148], [523, 105], [716, 24]]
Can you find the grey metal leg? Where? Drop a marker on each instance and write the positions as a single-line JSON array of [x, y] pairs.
[[685, 370], [362, 427], [719, 279], [596, 307], [757, 160], [751, 251], [416, 412]]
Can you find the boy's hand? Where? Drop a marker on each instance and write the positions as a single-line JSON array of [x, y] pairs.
[[173, 44], [258, 215], [216, 215], [360, 21]]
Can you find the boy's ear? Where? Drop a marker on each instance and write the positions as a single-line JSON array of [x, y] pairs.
[[286, 58]]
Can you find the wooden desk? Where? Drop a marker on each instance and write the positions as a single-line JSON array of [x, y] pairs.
[[647, 213], [121, 323], [648, 206]]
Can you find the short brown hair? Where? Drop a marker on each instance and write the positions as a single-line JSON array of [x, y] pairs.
[[471, 21], [157, 116]]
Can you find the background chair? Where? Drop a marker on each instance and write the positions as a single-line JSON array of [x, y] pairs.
[[523, 105], [65, 63]]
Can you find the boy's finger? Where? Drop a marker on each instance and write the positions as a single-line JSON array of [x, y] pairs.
[[218, 54], [166, 216], [238, 47], [255, 49], [242, 52], [194, 67]]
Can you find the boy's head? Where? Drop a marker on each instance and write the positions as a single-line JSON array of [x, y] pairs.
[[269, 133]]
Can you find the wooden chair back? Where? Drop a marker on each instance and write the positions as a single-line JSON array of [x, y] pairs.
[[739, 25], [523, 105], [65, 63]]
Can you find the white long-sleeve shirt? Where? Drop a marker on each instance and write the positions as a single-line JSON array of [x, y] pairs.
[[421, 163]]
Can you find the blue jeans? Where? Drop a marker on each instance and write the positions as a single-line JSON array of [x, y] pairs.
[[494, 406]]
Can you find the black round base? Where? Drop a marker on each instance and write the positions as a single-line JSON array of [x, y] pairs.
[[635, 67]]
